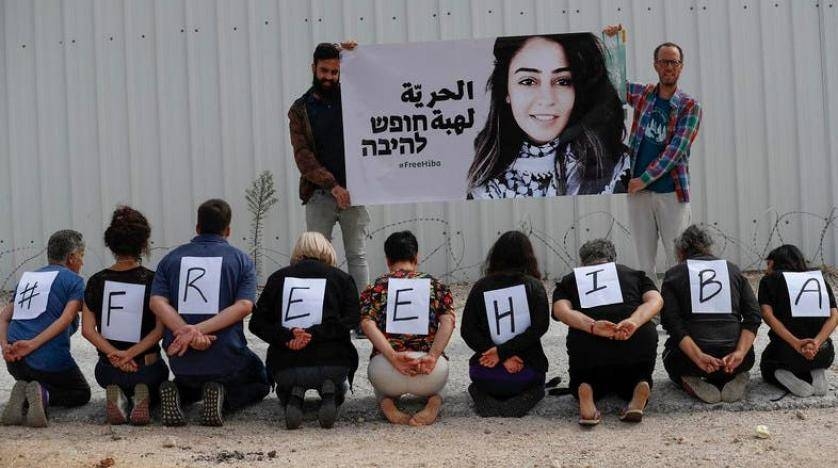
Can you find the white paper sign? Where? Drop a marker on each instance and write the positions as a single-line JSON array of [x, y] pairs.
[[709, 287], [302, 302], [807, 294], [598, 285], [32, 294], [199, 285], [122, 311], [507, 312], [408, 305]]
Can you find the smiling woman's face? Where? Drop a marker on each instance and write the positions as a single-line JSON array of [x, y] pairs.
[[541, 92]]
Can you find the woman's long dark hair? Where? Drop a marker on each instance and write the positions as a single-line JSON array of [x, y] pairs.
[[594, 130], [512, 253], [787, 258]]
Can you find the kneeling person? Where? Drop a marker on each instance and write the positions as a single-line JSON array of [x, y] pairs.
[[612, 345], [504, 318], [202, 291], [35, 330], [409, 318], [305, 313], [712, 318]]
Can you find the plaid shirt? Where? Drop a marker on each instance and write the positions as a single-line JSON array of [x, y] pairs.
[[681, 130]]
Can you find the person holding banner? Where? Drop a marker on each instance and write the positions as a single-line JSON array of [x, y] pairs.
[[202, 292], [799, 306], [409, 318], [664, 127], [555, 124], [35, 330], [611, 342], [316, 127], [118, 321], [712, 318], [504, 318], [305, 313]]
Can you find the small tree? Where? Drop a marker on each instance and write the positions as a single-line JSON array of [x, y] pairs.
[[261, 196]]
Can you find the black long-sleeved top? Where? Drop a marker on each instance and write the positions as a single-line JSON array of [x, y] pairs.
[[586, 350], [526, 345], [330, 342], [716, 331]]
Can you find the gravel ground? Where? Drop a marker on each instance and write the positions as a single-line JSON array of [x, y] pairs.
[[677, 429]]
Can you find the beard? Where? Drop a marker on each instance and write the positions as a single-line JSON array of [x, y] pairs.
[[327, 91]]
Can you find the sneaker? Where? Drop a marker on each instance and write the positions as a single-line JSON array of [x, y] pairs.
[[796, 386], [13, 412], [328, 408], [213, 403], [819, 382], [140, 413], [735, 389], [116, 405], [701, 389], [171, 413], [38, 399], [294, 408]]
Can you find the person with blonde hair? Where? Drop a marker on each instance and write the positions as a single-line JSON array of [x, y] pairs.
[[305, 314]]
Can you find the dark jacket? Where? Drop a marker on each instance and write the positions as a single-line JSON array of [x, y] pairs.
[[713, 333], [330, 342], [527, 345], [313, 174]]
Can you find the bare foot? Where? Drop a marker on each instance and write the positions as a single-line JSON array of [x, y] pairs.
[[587, 407], [392, 413], [640, 396], [428, 415]]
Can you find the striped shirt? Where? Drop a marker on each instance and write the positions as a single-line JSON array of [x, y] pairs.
[[681, 130]]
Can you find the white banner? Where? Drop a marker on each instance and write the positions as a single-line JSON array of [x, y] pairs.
[[418, 116]]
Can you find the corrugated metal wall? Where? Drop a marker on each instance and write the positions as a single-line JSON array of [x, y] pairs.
[[162, 104]]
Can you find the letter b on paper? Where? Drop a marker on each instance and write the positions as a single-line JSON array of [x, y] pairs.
[[709, 287]]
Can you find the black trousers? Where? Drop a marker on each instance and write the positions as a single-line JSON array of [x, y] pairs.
[[310, 377], [678, 365], [619, 379], [66, 388], [245, 387], [779, 355]]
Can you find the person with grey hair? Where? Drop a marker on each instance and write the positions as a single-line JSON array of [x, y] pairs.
[[35, 330], [709, 352], [611, 344]]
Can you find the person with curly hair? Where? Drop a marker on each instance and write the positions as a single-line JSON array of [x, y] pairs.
[[118, 321]]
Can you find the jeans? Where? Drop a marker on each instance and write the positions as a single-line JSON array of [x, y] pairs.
[[321, 215], [66, 388], [152, 375]]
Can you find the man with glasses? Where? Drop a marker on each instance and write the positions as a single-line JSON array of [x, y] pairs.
[[666, 121]]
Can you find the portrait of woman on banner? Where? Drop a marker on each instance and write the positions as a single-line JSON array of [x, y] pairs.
[[555, 125]]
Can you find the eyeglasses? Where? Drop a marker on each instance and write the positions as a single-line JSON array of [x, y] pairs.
[[669, 63]]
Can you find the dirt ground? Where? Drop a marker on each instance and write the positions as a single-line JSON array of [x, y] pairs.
[[705, 438]]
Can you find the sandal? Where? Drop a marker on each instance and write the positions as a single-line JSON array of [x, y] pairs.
[[632, 415], [590, 422]]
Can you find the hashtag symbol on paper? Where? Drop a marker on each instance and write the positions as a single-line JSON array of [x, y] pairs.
[[27, 294]]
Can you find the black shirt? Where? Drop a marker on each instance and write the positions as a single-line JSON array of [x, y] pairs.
[[326, 120], [586, 350], [527, 344], [716, 332], [774, 292], [330, 342], [93, 300]]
